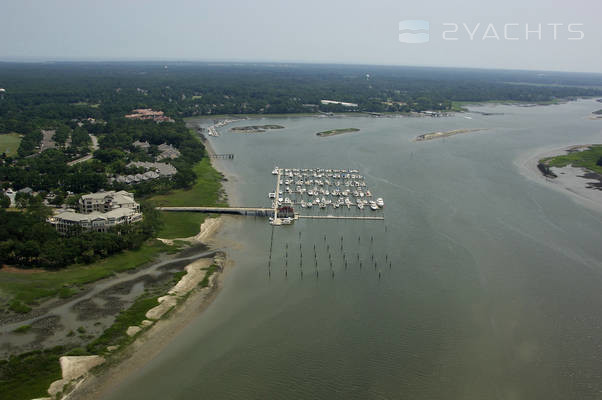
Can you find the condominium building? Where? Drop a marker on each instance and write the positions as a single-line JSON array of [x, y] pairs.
[[98, 212], [107, 201]]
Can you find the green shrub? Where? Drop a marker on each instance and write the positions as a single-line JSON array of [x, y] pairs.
[[23, 329], [19, 307]]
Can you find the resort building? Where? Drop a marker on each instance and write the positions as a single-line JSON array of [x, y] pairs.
[[107, 201], [70, 221], [340, 103], [147, 113], [141, 145], [98, 212], [153, 171], [167, 151]]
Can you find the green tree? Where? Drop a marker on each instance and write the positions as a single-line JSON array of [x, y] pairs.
[[4, 201]]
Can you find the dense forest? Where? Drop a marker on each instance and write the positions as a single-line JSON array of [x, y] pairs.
[[37, 94]]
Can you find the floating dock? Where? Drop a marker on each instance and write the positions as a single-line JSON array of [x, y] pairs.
[[369, 218]]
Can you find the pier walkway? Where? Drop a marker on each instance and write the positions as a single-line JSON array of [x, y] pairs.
[[262, 212], [258, 211], [227, 156]]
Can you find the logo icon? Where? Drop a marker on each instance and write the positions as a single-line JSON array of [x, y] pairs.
[[414, 31]]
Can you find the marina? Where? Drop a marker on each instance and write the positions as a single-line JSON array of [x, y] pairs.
[[319, 193], [322, 189], [213, 129]]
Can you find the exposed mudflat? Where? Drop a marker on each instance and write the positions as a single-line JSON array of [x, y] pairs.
[[76, 320]]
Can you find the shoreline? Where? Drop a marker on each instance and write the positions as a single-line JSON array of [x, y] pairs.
[[569, 180], [389, 113], [153, 340], [149, 343]]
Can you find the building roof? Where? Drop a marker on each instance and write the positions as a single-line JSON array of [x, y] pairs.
[[119, 197], [142, 145], [162, 169], [167, 151], [95, 215]]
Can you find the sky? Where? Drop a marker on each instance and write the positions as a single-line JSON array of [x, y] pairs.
[[467, 33]]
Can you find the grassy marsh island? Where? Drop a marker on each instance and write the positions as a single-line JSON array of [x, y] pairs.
[[588, 157], [439, 135], [255, 128], [334, 132]]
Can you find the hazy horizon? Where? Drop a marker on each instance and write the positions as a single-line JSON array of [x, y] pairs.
[[493, 36]]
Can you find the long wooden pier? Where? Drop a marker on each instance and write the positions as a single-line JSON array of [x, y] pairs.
[[228, 156], [257, 211], [262, 212]]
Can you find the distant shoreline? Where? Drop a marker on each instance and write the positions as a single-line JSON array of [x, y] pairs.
[[460, 109]]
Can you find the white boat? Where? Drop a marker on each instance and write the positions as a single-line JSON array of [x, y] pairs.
[[275, 171], [380, 202], [286, 221], [271, 195], [373, 206], [360, 206]]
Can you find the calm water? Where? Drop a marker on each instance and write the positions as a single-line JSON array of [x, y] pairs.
[[494, 290]]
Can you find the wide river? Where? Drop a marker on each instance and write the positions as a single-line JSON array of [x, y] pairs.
[[494, 289]]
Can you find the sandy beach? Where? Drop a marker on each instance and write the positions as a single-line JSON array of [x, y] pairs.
[[570, 180], [439, 135]]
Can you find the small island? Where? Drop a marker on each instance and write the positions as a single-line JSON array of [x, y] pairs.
[[439, 135], [334, 132], [597, 114], [255, 128], [588, 158], [577, 170]]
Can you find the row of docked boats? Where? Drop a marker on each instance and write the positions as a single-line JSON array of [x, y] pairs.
[[212, 130], [322, 188]]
